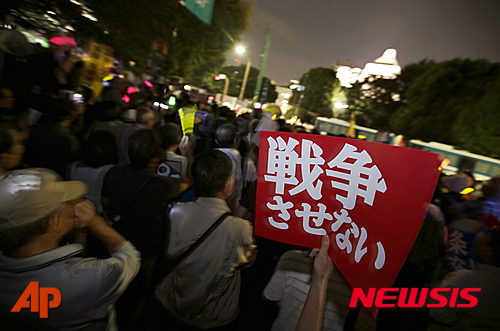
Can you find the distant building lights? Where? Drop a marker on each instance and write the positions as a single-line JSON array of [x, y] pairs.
[[90, 17]]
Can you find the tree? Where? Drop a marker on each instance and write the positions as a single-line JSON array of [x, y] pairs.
[[319, 87], [304, 115], [440, 95], [130, 28], [235, 75], [194, 47], [376, 99], [477, 129]]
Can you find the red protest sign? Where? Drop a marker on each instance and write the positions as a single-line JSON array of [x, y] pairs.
[[370, 198]]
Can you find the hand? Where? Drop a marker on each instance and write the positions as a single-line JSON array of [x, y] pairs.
[[187, 145], [85, 214], [323, 265]]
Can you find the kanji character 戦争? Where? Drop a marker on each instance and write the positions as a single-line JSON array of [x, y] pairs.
[[358, 175], [282, 163], [308, 176]]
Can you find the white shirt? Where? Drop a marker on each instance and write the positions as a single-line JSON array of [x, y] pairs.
[[89, 287], [203, 290], [290, 285]]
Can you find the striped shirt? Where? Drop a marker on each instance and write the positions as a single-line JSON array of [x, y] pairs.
[[290, 285]]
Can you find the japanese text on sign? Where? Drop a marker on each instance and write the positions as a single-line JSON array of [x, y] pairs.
[[349, 172]]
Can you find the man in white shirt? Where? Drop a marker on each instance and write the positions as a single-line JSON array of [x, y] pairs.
[[203, 290], [36, 215], [228, 140]]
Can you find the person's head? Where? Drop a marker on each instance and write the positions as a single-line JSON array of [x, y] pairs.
[[224, 111], [88, 94], [489, 247], [100, 149], [471, 181], [170, 136], [491, 189], [35, 202], [11, 149], [226, 136], [7, 99], [454, 183], [146, 118], [211, 173], [143, 149], [62, 110], [129, 116], [252, 125], [108, 111], [241, 126], [184, 100], [281, 122]]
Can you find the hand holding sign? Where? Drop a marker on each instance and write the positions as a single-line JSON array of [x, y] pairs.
[[323, 265]]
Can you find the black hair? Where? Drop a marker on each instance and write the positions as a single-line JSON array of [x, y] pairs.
[[252, 125], [241, 125], [225, 136], [281, 122], [6, 141], [87, 92], [224, 111], [145, 114], [170, 135], [60, 109], [211, 171], [100, 149], [184, 100], [495, 244], [491, 187], [142, 147], [108, 111]]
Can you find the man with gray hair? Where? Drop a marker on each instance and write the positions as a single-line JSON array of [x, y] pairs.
[[37, 212], [146, 119], [243, 171]]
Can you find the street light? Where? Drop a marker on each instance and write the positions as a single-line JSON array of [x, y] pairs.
[[226, 86], [241, 50]]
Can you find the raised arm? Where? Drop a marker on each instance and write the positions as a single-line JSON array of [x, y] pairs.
[[311, 318]]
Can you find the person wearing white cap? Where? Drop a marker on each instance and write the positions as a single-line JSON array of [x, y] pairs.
[[36, 214]]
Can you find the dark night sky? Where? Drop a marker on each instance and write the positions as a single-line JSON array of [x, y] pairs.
[[314, 33]]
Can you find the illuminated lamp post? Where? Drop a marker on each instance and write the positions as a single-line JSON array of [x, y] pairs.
[[241, 50]]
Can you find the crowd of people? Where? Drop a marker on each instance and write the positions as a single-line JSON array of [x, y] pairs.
[[142, 226]]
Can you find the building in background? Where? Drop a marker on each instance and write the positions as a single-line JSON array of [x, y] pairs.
[[284, 97], [386, 67], [347, 72]]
